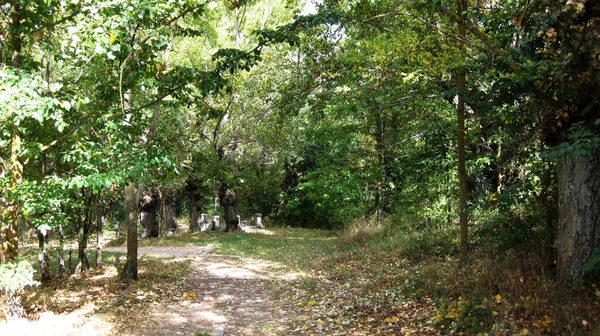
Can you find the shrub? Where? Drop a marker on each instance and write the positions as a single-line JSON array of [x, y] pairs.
[[14, 277]]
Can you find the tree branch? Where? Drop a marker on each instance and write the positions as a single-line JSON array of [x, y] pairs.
[[252, 163], [55, 23]]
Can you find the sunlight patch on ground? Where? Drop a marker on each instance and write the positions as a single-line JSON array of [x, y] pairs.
[[254, 229], [224, 298], [250, 269], [109, 273], [50, 324], [215, 318], [306, 238]]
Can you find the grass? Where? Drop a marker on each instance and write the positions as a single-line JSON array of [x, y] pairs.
[[494, 293], [294, 247]]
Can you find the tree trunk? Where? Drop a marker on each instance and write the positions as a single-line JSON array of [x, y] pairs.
[[578, 235], [130, 270], [83, 263], [43, 259], [114, 222], [460, 117], [99, 238], [61, 251], [170, 210], [1, 230], [162, 226], [380, 149], [194, 207], [10, 229], [148, 216], [228, 199]]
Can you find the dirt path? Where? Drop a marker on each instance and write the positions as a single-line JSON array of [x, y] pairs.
[[223, 296]]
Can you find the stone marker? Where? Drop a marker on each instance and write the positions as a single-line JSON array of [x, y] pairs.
[[215, 223], [256, 220], [203, 222]]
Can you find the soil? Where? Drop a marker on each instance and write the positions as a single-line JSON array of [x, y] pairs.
[[223, 296]]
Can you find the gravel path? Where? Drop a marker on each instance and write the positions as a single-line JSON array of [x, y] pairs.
[[231, 296], [167, 251]]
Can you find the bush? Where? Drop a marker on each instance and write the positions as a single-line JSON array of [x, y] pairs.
[[14, 277]]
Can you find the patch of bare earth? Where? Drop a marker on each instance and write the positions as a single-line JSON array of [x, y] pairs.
[[222, 296]]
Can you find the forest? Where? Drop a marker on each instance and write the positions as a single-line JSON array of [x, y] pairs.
[[298, 167]]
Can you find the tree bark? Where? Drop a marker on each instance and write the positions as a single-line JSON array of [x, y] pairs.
[[99, 238], [194, 206], [228, 199], [148, 216], [162, 225], [43, 259], [578, 235], [460, 117], [10, 215], [380, 148], [61, 251], [168, 208], [130, 271], [83, 263], [10, 232]]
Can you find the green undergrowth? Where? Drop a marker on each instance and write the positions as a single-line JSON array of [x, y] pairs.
[[294, 247], [497, 292]]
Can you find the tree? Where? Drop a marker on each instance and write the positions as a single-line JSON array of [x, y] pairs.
[[543, 51], [460, 112], [130, 270]]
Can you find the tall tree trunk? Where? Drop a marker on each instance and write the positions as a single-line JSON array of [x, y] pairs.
[[43, 259], [130, 271], [10, 234], [194, 207], [231, 220], [83, 263], [578, 235], [1, 230], [170, 210], [148, 216], [61, 251], [380, 149], [228, 199], [15, 33], [99, 238], [162, 225], [460, 117]]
